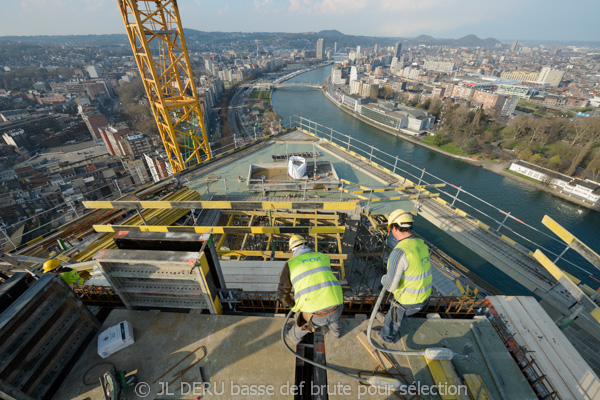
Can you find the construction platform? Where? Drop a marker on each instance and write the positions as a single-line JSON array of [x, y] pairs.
[[221, 179], [251, 234], [485, 356], [274, 176], [240, 351]]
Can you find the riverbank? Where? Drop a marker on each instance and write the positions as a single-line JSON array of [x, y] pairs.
[[498, 168]]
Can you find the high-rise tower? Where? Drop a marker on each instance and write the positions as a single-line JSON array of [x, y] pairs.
[[398, 50], [320, 49]]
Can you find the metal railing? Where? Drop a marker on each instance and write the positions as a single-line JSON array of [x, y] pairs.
[[421, 176]]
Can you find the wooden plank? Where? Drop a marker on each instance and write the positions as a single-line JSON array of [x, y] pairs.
[[503, 377], [502, 312], [476, 387], [588, 380], [417, 365], [445, 375], [550, 362], [382, 359]]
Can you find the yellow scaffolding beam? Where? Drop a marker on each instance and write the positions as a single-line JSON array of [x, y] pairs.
[[227, 205], [572, 241], [167, 77], [578, 294], [153, 217], [354, 184], [229, 230], [395, 189], [412, 196], [282, 214]]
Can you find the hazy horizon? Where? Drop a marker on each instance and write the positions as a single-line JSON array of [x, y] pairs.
[[534, 20]]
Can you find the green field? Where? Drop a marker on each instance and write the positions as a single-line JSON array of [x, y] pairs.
[[262, 95], [446, 147], [453, 150]]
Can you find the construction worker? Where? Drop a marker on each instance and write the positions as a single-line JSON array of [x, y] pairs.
[[69, 275], [409, 264], [318, 298]]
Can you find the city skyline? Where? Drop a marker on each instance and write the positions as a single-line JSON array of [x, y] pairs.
[[534, 20]]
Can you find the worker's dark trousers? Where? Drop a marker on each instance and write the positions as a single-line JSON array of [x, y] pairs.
[[390, 332], [333, 320]]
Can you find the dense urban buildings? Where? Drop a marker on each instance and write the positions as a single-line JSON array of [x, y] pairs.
[[80, 127]]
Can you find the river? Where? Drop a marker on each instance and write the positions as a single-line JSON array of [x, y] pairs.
[[522, 201]]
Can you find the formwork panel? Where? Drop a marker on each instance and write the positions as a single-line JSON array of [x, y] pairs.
[[161, 279], [39, 336]]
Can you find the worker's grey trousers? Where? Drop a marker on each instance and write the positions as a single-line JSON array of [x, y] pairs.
[[333, 321], [390, 332]]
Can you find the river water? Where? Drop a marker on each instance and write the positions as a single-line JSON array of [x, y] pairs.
[[522, 201]]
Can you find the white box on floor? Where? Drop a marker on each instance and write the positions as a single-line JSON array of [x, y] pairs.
[[115, 338]]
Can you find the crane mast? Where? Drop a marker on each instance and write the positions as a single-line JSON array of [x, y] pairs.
[[156, 37]]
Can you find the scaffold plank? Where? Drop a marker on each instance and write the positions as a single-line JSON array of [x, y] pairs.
[[532, 328]]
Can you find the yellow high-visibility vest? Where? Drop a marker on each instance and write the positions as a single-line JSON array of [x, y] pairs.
[[416, 282], [71, 277], [315, 286]]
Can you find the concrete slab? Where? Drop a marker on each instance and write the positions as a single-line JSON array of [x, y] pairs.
[[240, 168], [350, 356], [241, 351]]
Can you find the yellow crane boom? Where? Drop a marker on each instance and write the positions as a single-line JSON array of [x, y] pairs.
[[156, 36]]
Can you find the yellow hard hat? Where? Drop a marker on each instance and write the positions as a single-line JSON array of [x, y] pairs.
[[296, 240], [400, 217], [51, 265]]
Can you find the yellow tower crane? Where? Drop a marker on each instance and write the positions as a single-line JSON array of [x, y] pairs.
[[156, 36]]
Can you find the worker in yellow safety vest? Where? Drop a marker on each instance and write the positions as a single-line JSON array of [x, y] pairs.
[[318, 298], [408, 274], [69, 275]]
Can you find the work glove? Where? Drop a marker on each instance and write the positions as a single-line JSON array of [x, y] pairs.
[[289, 302]]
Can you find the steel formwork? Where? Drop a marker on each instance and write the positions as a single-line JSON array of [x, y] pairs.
[[161, 279], [40, 334], [323, 232], [267, 302]]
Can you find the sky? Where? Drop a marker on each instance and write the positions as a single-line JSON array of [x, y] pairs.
[[504, 20]]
